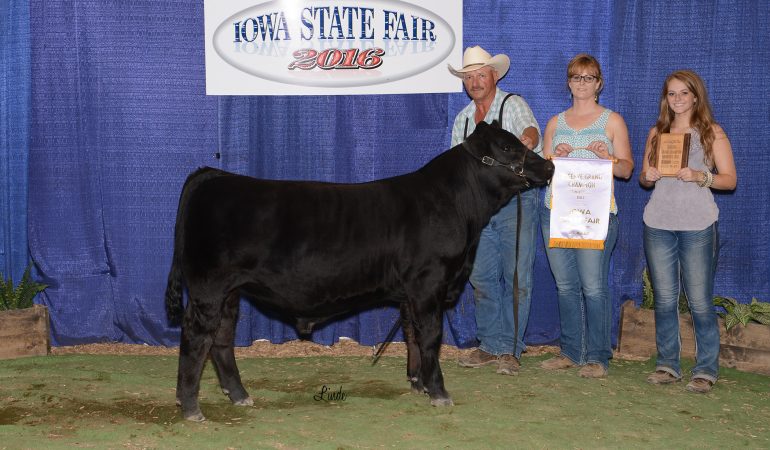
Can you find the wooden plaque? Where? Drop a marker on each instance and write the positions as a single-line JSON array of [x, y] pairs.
[[673, 151]]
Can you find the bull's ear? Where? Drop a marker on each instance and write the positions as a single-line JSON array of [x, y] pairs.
[[495, 124], [481, 125]]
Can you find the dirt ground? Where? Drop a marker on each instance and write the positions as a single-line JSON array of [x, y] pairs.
[[263, 348]]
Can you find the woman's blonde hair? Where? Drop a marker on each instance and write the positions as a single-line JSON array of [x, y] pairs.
[[702, 118]]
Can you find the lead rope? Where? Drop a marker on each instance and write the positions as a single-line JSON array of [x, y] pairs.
[[516, 278], [388, 339]]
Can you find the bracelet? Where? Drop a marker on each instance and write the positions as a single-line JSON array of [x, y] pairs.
[[708, 179]]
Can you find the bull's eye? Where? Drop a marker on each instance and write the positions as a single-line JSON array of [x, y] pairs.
[[507, 149]]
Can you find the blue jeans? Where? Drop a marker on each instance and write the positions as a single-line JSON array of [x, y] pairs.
[[690, 255], [585, 306], [492, 275]]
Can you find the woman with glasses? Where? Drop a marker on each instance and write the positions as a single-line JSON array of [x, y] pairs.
[[680, 227], [585, 130]]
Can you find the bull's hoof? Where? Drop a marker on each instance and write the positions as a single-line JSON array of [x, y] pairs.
[[244, 402], [442, 402], [418, 388], [416, 385], [195, 417]]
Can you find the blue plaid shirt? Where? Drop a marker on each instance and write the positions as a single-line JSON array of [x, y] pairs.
[[516, 118]]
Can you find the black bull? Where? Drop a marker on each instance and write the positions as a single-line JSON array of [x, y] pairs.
[[312, 251]]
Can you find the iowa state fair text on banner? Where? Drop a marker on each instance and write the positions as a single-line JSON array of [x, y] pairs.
[[581, 192], [303, 47]]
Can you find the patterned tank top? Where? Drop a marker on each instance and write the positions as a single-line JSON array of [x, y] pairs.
[[579, 139]]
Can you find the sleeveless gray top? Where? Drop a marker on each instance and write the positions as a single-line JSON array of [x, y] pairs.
[[679, 205]]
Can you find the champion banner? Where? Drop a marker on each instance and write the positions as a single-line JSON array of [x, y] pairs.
[[581, 192], [331, 47]]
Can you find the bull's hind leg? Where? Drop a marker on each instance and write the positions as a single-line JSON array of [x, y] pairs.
[[428, 329], [412, 350], [201, 320], [223, 356]]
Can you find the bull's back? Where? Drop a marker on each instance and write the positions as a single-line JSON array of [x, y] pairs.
[[300, 239]]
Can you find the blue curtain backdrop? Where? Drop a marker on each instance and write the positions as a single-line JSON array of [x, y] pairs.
[[15, 99], [119, 117]]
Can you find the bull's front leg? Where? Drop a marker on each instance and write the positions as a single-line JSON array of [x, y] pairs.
[[413, 374], [428, 329]]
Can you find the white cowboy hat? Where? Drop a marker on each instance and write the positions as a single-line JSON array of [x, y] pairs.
[[476, 57]]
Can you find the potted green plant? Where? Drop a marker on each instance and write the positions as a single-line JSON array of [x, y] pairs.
[[24, 326], [742, 313]]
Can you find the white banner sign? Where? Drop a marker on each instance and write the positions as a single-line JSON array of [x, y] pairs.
[[581, 192], [332, 47]]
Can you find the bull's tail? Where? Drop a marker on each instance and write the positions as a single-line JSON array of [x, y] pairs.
[[174, 292], [176, 283]]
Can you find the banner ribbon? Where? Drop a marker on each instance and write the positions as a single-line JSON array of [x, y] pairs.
[[581, 193]]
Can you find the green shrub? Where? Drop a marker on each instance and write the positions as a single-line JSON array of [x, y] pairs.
[[19, 296], [743, 313]]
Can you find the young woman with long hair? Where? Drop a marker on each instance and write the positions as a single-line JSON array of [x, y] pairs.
[[680, 227]]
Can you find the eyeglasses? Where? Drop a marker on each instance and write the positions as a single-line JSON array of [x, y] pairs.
[[586, 78]]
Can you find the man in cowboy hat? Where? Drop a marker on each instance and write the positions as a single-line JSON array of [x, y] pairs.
[[493, 269]]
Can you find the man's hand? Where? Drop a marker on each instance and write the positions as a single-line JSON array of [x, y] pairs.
[[529, 137], [527, 141]]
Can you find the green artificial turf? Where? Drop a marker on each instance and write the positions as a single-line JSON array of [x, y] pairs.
[[97, 401]]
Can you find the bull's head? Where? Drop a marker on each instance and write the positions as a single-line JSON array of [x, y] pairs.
[[497, 147]]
